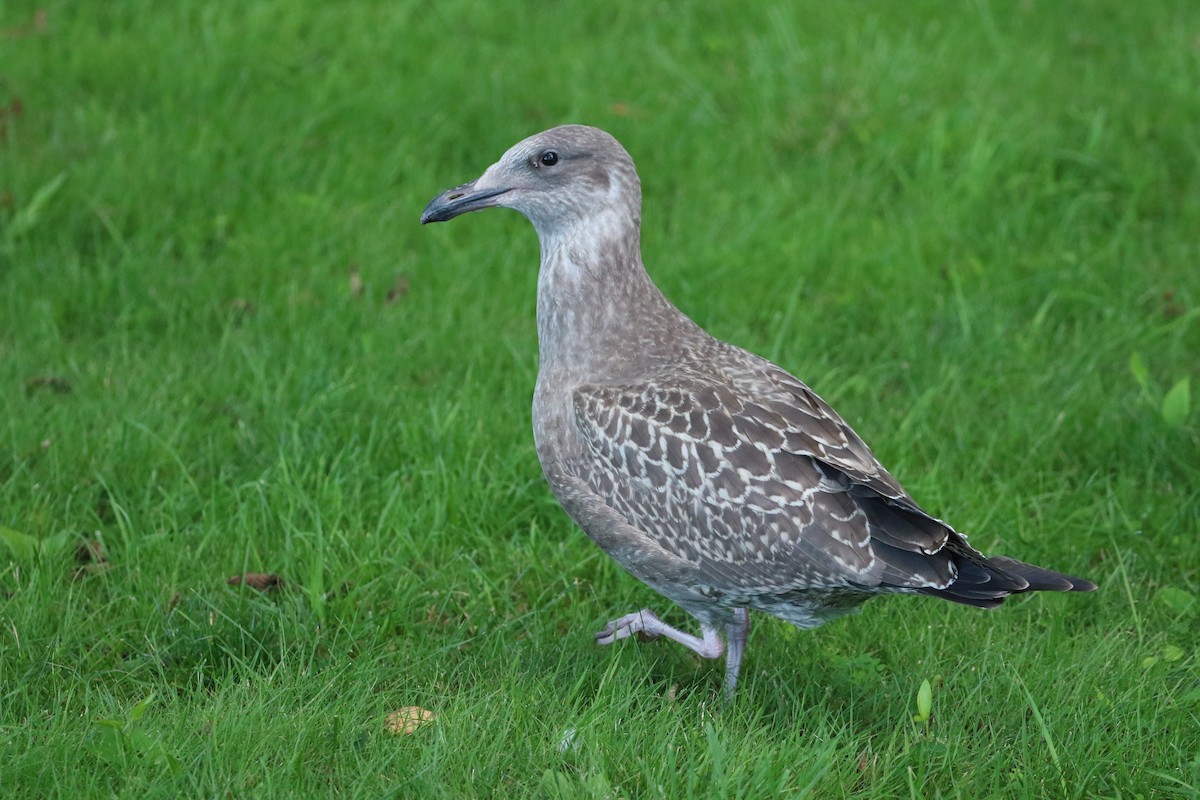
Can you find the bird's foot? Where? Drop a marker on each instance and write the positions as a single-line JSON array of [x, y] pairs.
[[647, 626], [629, 625]]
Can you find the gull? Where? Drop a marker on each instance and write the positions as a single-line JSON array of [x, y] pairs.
[[709, 473]]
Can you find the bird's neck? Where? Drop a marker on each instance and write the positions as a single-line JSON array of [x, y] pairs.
[[598, 312]]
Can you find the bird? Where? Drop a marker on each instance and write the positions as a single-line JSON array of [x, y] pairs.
[[709, 473]]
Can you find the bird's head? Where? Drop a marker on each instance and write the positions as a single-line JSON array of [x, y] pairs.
[[558, 179]]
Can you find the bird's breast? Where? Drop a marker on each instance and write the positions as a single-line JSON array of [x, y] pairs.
[[555, 433]]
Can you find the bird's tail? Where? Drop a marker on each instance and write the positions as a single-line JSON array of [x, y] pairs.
[[985, 582]]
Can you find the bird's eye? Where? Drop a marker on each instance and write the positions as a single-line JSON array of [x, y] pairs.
[[548, 158]]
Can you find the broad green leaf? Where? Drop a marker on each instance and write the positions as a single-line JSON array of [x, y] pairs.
[[1140, 373], [172, 762], [1172, 652], [1180, 601], [924, 701], [23, 546], [139, 710], [1178, 403], [57, 542], [556, 784], [140, 741], [108, 745]]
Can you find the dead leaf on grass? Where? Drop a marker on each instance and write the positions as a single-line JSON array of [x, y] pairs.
[[1172, 308], [89, 555], [399, 289], [406, 720], [262, 581], [242, 308], [90, 551], [14, 109], [21, 31], [54, 383]]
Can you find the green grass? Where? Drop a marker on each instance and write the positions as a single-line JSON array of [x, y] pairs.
[[956, 222]]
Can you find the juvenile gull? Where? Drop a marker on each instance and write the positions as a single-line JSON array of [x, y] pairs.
[[711, 474]]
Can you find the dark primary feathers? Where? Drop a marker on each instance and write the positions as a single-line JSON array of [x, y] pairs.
[[711, 474]]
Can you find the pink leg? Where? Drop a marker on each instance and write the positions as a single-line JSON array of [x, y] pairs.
[[650, 626]]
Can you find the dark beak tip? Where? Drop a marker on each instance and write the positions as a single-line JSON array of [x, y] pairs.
[[459, 200], [438, 209]]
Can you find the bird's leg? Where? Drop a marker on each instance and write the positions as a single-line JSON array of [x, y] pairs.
[[737, 632], [650, 626]]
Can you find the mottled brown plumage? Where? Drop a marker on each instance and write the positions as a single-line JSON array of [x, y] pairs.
[[711, 474]]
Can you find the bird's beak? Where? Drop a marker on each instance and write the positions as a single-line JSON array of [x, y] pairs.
[[459, 200]]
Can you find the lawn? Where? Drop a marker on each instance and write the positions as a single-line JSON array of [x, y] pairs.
[[227, 347]]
